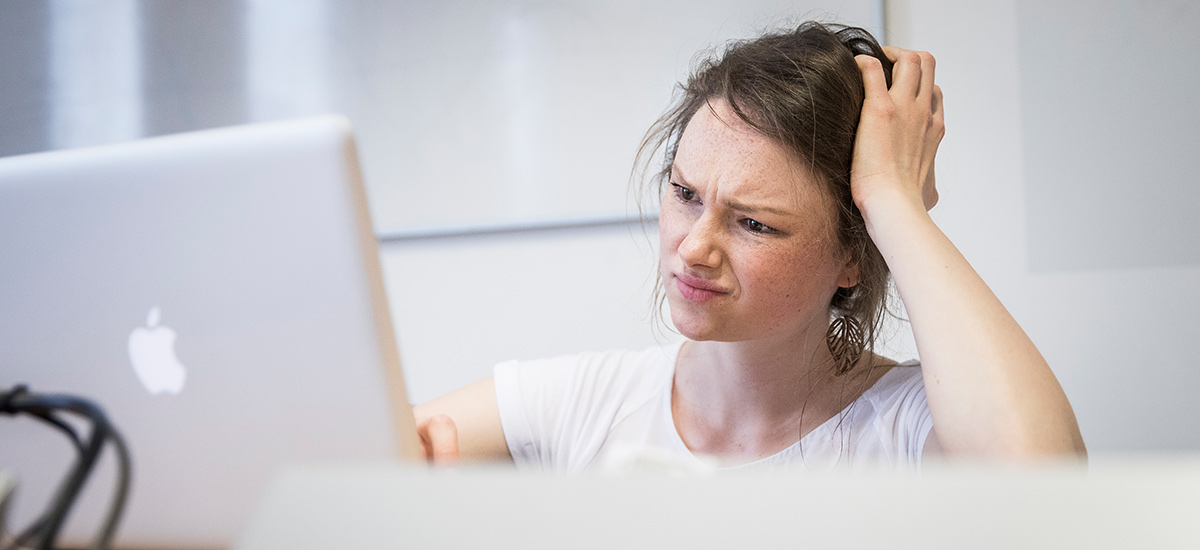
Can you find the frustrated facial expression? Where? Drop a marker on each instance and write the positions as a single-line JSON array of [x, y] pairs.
[[748, 247]]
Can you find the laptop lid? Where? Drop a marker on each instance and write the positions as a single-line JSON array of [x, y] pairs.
[[219, 294]]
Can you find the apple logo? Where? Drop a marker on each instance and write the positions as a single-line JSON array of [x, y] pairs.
[[152, 352]]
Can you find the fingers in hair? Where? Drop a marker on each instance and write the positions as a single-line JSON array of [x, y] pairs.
[[928, 65], [874, 83], [907, 73], [939, 115]]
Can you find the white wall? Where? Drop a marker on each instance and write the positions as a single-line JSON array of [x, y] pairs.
[[1121, 341], [462, 304]]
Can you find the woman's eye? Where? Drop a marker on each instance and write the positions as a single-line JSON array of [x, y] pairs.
[[684, 194], [756, 226]]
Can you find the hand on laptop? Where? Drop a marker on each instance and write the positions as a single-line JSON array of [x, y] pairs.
[[439, 437], [463, 425]]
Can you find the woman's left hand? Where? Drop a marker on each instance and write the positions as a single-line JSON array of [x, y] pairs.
[[898, 132], [990, 392]]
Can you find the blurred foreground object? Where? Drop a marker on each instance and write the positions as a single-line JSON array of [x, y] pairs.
[[1126, 505]]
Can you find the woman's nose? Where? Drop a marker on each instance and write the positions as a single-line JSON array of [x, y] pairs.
[[701, 246]]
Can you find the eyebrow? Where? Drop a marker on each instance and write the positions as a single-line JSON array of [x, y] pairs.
[[761, 208], [738, 205]]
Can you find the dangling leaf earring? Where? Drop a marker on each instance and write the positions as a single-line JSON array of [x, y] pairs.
[[845, 341]]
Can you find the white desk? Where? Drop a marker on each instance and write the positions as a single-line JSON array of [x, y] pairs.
[[1132, 505]]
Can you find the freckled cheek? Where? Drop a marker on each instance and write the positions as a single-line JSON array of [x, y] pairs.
[[790, 286]]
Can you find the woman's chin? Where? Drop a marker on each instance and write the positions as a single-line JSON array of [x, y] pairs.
[[696, 329], [687, 329], [699, 323]]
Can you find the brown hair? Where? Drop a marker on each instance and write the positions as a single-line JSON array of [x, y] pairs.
[[802, 88]]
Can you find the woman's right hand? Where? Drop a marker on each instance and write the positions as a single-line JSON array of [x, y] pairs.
[[439, 437], [463, 425]]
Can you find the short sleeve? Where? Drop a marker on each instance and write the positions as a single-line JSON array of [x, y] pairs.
[[517, 432], [535, 399], [557, 413], [903, 418]]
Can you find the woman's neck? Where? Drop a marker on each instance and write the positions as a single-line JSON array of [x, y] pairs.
[[748, 400]]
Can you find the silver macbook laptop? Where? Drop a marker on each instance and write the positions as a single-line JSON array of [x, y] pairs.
[[218, 293]]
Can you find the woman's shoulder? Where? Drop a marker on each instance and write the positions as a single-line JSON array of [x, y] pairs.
[[559, 411], [900, 379], [612, 361], [899, 395], [610, 369], [656, 359]]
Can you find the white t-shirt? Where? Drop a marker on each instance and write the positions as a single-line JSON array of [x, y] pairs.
[[612, 410]]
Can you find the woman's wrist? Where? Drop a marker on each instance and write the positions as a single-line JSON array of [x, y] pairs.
[[884, 208]]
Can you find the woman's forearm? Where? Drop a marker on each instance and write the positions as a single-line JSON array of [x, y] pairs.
[[990, 391]]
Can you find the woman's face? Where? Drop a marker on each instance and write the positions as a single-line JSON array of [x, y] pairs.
[[747, 238]]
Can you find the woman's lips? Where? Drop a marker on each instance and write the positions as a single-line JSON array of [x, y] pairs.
[[697, 290]]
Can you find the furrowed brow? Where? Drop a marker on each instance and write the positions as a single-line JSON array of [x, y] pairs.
[[676, 173], [751, 208], [734, 203]]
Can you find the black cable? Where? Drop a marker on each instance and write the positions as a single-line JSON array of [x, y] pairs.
[[20, 400], [11, 403], [61, 505], [50, 523], [46, 416], [35, 528], [9, 399], [117, 505], [49, 418], [47, 526]]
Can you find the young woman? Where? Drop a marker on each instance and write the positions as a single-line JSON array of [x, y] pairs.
[[798, 173]]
